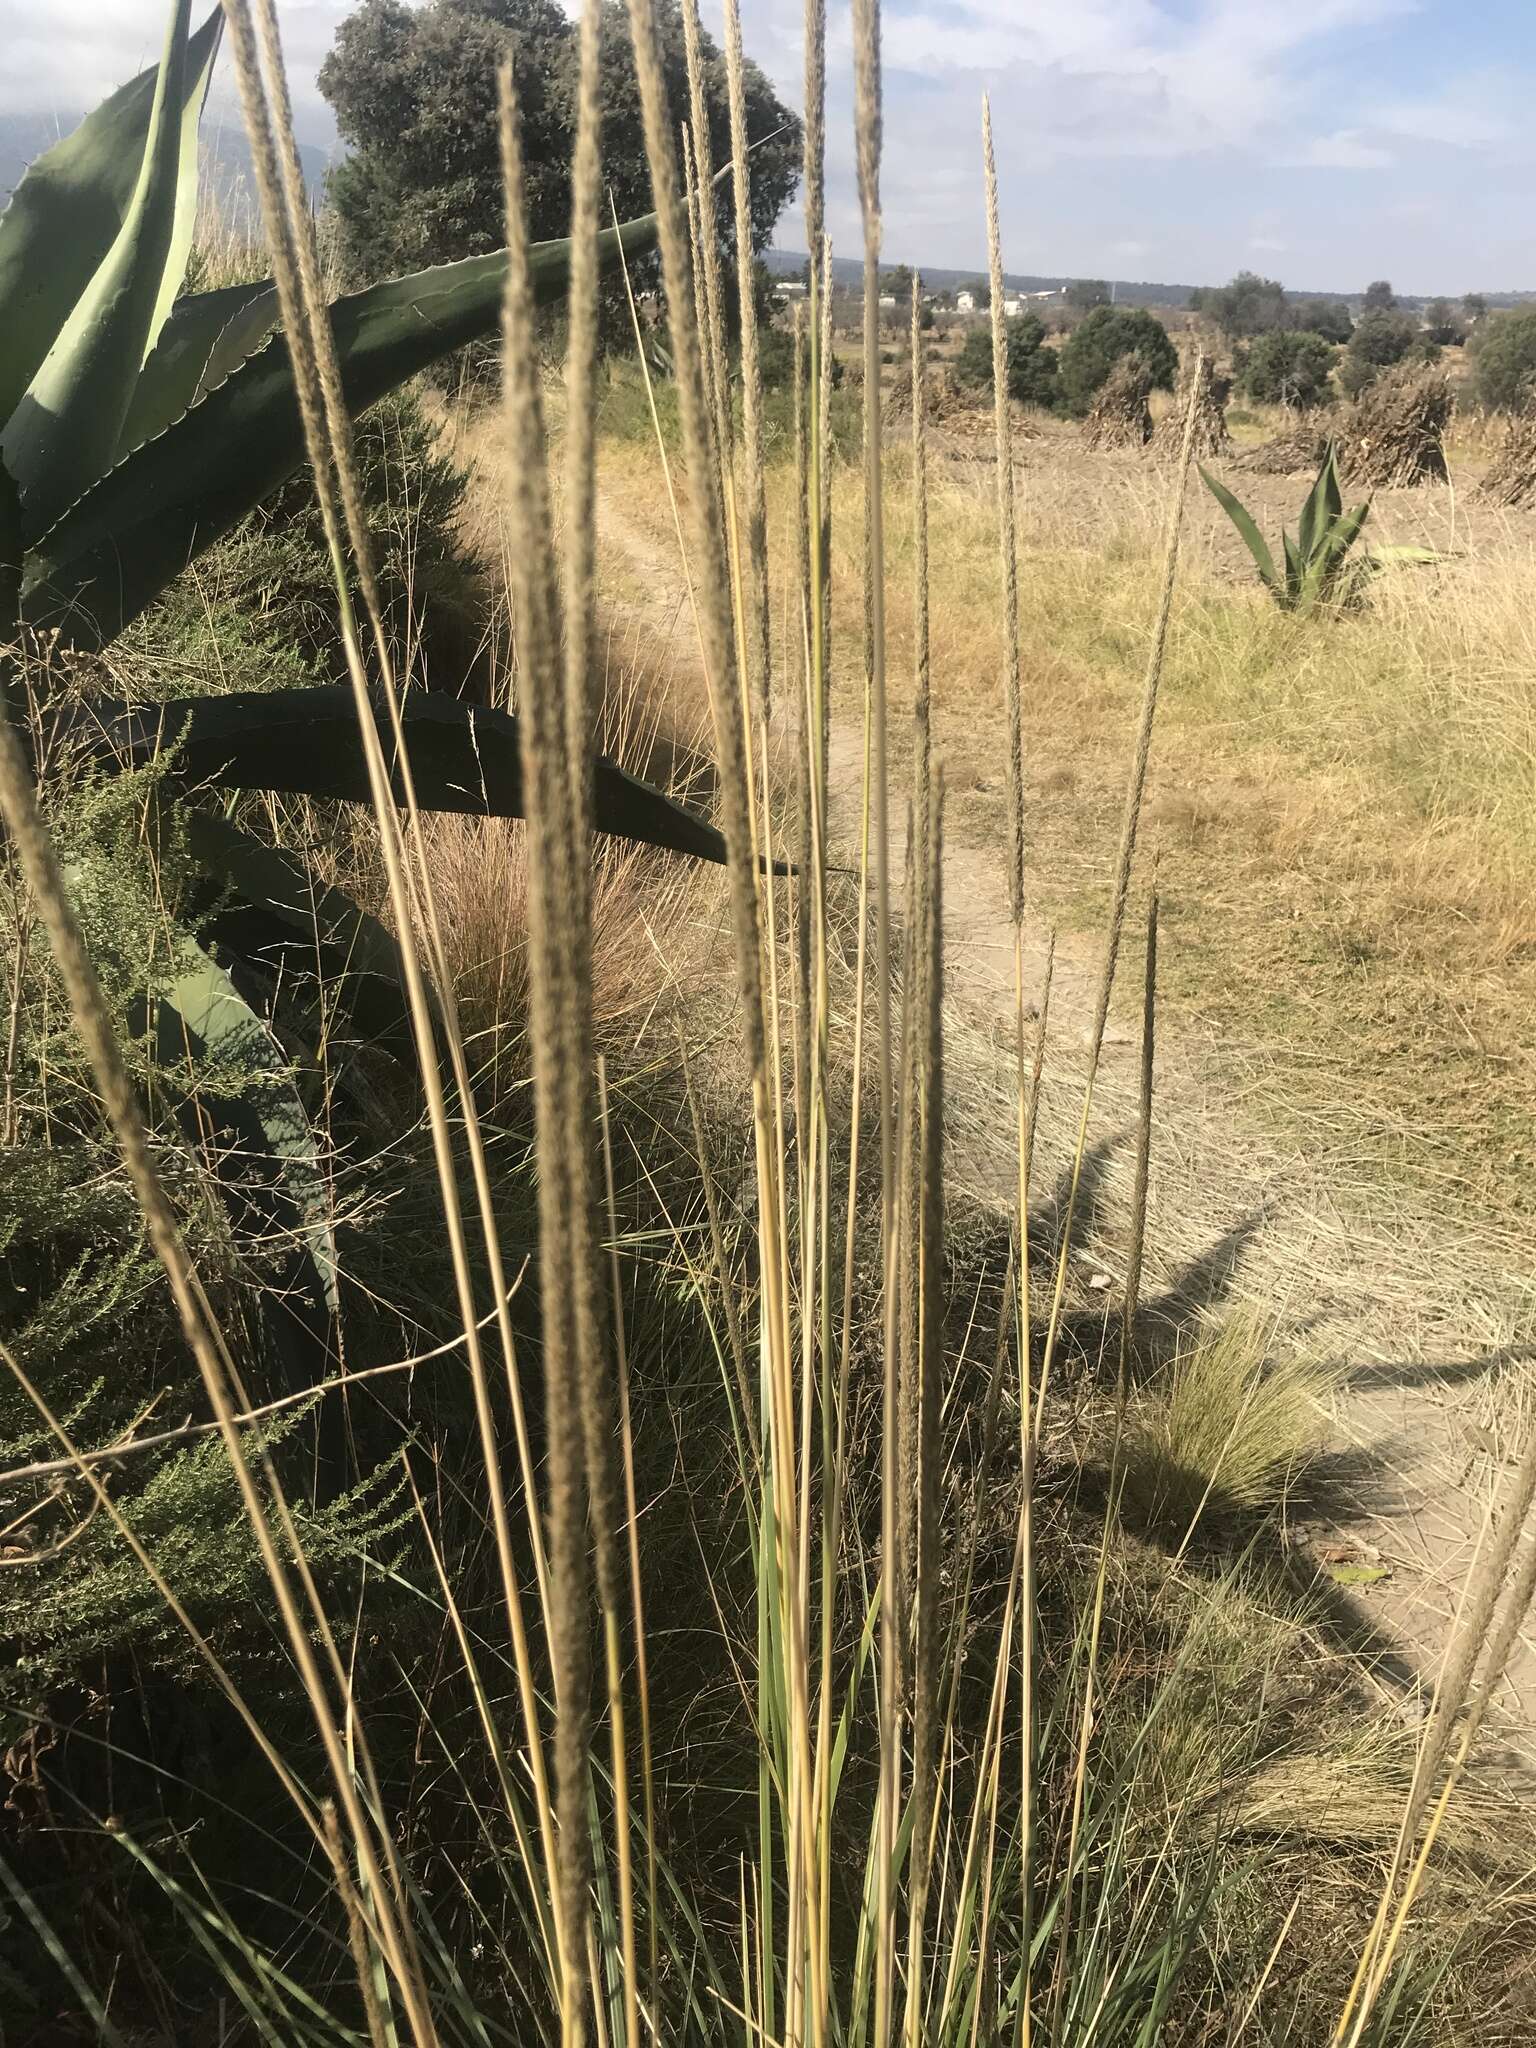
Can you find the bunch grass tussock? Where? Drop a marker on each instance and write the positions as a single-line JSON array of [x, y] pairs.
[[1394, 435]]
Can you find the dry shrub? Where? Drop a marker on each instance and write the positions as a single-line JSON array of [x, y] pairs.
[[1511, 476], [1299, 450], [1210, 398], [1394, 436], [1120, 416]]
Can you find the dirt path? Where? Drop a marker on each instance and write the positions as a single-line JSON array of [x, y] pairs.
[[1381, 1287]]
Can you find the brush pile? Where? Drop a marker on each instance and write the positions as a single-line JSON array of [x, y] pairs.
[[1120, 417], [1299, 451], [1394, 436], [1511, 476], [1210, 400]]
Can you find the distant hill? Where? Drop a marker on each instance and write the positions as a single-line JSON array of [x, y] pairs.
[[227, 153], [849, 271]]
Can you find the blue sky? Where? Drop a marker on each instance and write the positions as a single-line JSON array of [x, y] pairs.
[[1325, 142]]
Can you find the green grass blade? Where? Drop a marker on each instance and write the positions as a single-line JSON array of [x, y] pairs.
[[69, 209], [12, 552]]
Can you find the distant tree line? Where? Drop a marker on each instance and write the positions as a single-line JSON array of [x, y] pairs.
[[1295, 351]]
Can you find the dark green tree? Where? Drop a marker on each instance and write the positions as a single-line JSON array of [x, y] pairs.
[[1380, 297], [1032, 366], [1504, 352], [1285, 368], [1473, 307], [1108, 333], [1380, 340], [1327, 317], [1442, 325], [1084, 293], [414, 93], [1249, 305]]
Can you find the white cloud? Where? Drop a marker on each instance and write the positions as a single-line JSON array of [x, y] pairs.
[[1345, 150], [63, 56]]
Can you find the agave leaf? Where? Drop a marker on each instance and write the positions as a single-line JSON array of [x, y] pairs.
[[1407, 554], [463, 757], [12, 550], [1253, 540], [1293, 567], [1324, 503], [203, 1019], [208, 335], [281, 918], [116, 549], [63, 435], [1329, 556], [69, 209]]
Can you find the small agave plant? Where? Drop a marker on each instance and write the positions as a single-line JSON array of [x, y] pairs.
[[1322, 570], [139, 424]]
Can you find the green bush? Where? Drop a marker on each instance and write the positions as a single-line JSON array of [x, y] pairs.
[[1032, 365], [259, 611], [1504, 359], [1094, 348], [1288, 369], [1382, 338]]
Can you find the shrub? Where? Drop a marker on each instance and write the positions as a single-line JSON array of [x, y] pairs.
[[1289, 369], [1381, 340], [1108, 334], [1032, 366], [1442, 325], [1504, 358]]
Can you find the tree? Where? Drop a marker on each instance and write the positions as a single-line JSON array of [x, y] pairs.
[[1473, 307], [1084, 293], [1032, 366], [1442, 325], [1109, 333], [1286, 368], [980, 289], [414, 93], [1504, 353], [1249, 305], [1327, 317], [1380, 297], [1381, 339], [897, 283]]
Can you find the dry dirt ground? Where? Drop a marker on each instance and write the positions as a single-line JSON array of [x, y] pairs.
[[1421, 1311]]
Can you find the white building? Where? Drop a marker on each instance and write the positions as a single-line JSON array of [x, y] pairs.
[[965, 302]]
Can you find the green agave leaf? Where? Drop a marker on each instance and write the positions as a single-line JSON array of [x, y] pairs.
[[202, 1018], [1294, 575], [208, 335], [12, 552], [282, 919], [464, 757], [69, 209], [63, 434], [1242, 519], [1407, 554], [1323, 506], [115, 550], [1329, 556]]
